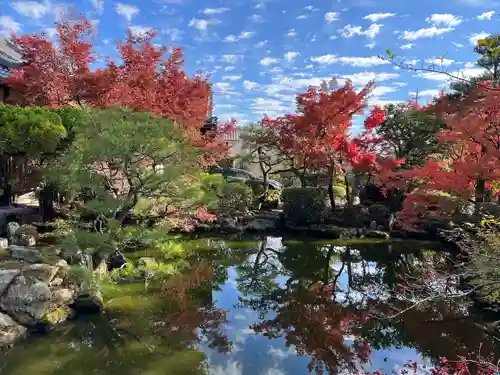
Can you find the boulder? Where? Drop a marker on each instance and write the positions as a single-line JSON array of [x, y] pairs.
[[12, 228], [116, 260], [88, 303], [28, 254], [6, 279], [145, 261], [489, 208], [261, 225], [26, 303], [10, 331], [27, 229], [4, 243], [40, 272], [24, 240], [377, 234]]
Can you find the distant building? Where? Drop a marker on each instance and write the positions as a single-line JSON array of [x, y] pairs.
[[9, 58]]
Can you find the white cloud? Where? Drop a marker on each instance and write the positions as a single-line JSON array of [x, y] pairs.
[[51, 32], [127, 11], [407, 46], [474, 38], [8, 25], [486, 15], [281, 354], [353, 61], [469, 65], [458, 45], [200, 24], [291, 32], [444, 19], [375, 17], [331, 16], [240, 36], [302, 17], [231, 78], [261, 43], [173, 33], [271, 107], [370, 45], [138, 31], [425, 93], [249, 85], [290, 56], [464, 73], [98, 5], [211, 11], [426, 33], [256, 18], [231, 58], [439, 61], [266, 61], [349, 31], [31, 9], [382, 90], [362, 79]]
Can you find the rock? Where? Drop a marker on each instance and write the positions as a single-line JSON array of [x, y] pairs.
[[373, 225], [468, 226], [4, 243], [40, 272], [377, 234], [10, 331], [26, 303], [6, 278], [53, 317], [63, 296], [12, 228], [261, 225], [356, 201], [489, 208], [57, 281], [89, 303], [467, 208], [27, 229], [116, 260], [24, 240], [353, 232], [28, 254]]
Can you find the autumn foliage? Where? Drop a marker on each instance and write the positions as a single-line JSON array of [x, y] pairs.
[[469, 166], [61, 74]]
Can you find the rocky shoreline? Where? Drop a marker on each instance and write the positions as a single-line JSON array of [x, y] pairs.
[[37, 288]]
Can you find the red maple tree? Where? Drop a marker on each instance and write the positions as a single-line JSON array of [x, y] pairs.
[[317, 137], [472, 161], [58, 75]]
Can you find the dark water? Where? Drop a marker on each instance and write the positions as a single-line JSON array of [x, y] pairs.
[[265, 307]]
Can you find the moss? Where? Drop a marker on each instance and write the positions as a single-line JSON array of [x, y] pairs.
[[4, 253], [56, 316]]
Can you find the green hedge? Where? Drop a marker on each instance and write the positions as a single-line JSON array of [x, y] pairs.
[[304, 206], [235, 198]]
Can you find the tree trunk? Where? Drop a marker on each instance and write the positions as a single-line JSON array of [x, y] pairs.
[[480, 190], [265, 176], [331, 191], [347, 192], [6, 198]]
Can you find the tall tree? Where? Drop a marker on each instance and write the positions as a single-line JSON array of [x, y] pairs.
[[142, 78]]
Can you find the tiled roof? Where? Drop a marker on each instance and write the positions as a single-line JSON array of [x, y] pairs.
[[9, 57]]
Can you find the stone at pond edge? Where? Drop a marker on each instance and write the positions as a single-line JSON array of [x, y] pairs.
[[40, 272], [6, 279], [377, 234], [12, 228], [24, 240], [4, 243], [25, 253], [88, 303], [261, 225], [25, 303], [10, 331]]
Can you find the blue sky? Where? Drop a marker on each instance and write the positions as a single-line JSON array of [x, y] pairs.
[[260, 53]]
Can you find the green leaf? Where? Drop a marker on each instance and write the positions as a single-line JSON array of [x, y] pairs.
[[389, 53]]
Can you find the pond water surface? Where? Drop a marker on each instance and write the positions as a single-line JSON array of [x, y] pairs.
[[267, 306]]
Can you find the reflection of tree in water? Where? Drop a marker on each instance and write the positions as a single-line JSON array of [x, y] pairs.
[[202, 321], [333, 293]]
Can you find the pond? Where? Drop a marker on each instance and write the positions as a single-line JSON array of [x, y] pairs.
[[265, 306]]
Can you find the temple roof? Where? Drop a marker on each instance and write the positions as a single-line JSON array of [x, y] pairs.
[[9, 56]]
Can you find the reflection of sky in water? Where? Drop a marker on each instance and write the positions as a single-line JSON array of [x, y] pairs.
[[254, 354]]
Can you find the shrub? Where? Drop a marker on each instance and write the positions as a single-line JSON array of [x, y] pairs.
[[379, 213], [235, 198], [304, 205], [339, 191]]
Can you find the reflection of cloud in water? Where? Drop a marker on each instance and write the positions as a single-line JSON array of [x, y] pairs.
[[239, 317], [273, 371], [281, 354], [274, 243], [231, 367]]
